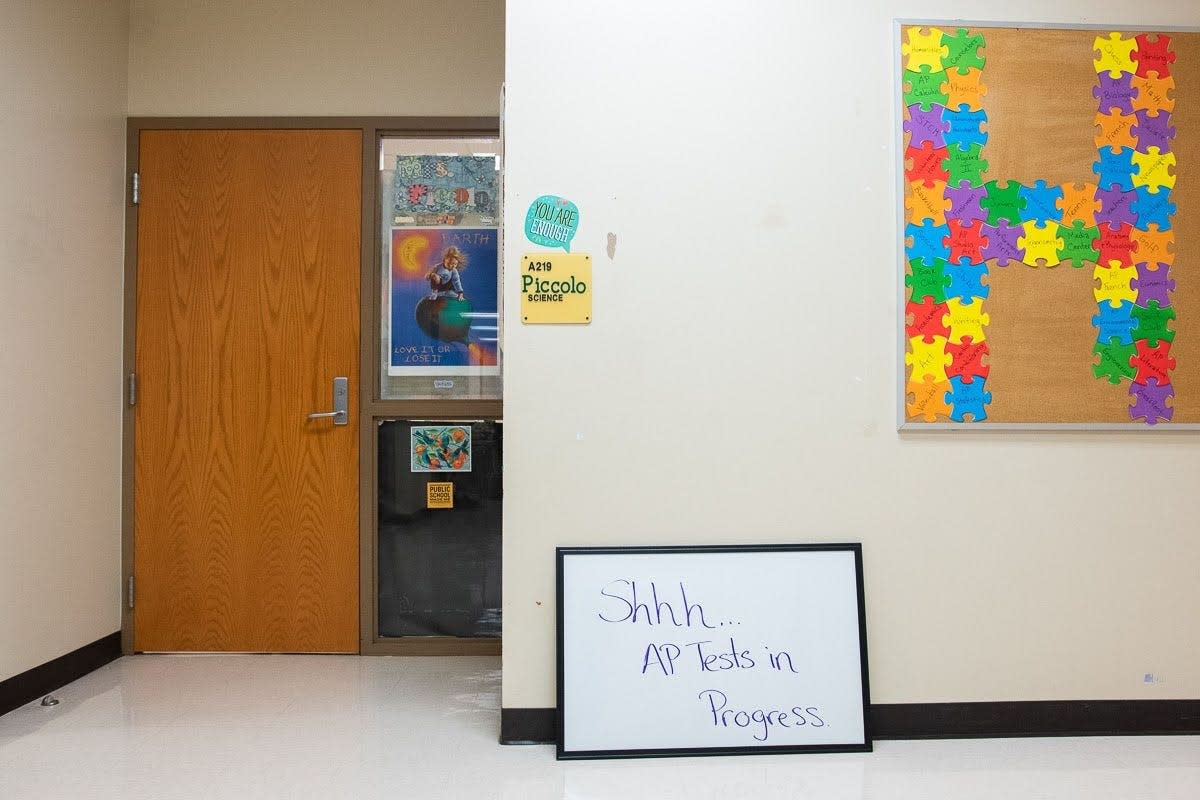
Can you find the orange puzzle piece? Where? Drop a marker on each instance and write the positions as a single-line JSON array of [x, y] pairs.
[[1079, 204], [929, 399], [1115, 131], [1152, 245]]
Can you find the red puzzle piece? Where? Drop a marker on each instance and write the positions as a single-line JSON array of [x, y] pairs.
[[967, 360], [1116, 244], [927, 319], [966, 241], [1150, 362], [1153, 56], [926, 164]]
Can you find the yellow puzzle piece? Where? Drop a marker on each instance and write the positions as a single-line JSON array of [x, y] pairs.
[[928, 358], [1154, 169], [924, 49], [1114, 283], [1041, 243], [966, 320], [1116, 55]]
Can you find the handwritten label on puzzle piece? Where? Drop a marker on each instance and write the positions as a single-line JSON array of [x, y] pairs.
[[925, 89], [1115, 130], [1152, 130], [1041, 202], [1114, 322], [924, 319], [1116, 244], [929, 399], [927, 358], [964, 90], [965, 164], [963, 51], [1079, 203], [1153, 95], [1154, 208], [1116, 207], [1153, 169], [967, 360], [552, 221], [1114, 94], [927, 202], [968, 398], [925, 165], [924, 51], [1154, 282], [1153, 56], [1079, 244], [1153, 362], [1041, 243], [1152, 323], [966, 320], [1150, 401], [1153, 245], [1113, 283], [1113, 364], [1116, 54], [1003, 202], [928, 279]]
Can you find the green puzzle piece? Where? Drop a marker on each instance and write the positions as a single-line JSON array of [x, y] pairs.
[[928, 281], [1003, 203], [965, 165], [963, 50], [1114, 361], [1079, 244], [926, 89], [1152, 323]]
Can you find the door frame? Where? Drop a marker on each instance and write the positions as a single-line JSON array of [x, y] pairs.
[[371, 407]]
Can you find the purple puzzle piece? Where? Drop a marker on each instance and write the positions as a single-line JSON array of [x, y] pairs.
[[964, 202], [1002, 243], [1151, 401], [1153, 284], [927, 126], [1115, 93], [1116, 207], [1153, 131]]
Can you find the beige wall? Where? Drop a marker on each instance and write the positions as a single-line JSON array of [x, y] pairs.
[[62, 108], [738, 383], [315, 57]]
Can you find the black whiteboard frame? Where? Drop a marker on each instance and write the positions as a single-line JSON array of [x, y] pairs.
[[562, 754]]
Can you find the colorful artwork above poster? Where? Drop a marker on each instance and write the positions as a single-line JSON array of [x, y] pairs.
[[444, 186], [440, 448], [443, 315]]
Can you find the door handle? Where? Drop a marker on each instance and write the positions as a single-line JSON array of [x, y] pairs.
[[341, 404]]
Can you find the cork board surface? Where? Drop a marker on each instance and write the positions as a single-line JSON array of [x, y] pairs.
[[1041, 125]]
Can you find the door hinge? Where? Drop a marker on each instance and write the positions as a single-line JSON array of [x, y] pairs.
[[133, 388], [130, 591], [136, 188]]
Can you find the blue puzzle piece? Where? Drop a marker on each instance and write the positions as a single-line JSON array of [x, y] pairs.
[[1115, 322], [966, 280], [1115, 168], [968, 398], [964, 127], [1041, 203], [929, 241], [1153, 208]]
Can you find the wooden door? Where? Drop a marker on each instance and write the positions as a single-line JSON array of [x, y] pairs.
[[246, 512]]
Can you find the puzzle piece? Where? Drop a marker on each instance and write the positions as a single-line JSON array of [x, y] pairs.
[[964, 203], [1154, 282], [1003, 244], [1115, 130], [1153, 94], [1041, 202], [1041, 242], [1114, 361], [966, 319], [967, 360], [1079, 243], [1153, 56], [1152, 362], [1079, 204], [927, 202], [1116, 55], [1003, 202], [929, 399], [927, 319], [1116, 207], [1115, 322], [925, 89], [928, 280], [1153, 130], [965, 164], [964, 89], [1152, 245], [928, 358], [1115, 167], [968, 398], [1151, 323], [966, 241], [926, 126], [925, 51], [965, 127], [966, 280], [1115, 94], [963, 51], [1116, 244], [928, 242], [1150, 401], [1153, 208], [1154, 169], [1114, 284], [926, 164]]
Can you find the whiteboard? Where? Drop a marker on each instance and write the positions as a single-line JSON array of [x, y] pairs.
[[711, 650]]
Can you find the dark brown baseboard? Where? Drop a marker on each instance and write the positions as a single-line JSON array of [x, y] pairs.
[[34, 683], [959, 720]]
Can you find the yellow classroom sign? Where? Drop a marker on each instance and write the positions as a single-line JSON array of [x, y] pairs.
[[556, 288]]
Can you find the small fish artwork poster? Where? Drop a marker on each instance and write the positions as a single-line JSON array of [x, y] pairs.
[[440, 448]]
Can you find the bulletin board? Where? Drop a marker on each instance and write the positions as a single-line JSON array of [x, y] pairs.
[[1049, 227]]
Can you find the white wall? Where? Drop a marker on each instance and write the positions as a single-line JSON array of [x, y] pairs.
[[738, 383], [315, 57], [62, 155]]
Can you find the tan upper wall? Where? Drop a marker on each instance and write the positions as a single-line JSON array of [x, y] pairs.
[[314, 57]]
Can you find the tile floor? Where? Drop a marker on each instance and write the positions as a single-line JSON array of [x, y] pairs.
[[256, 727]]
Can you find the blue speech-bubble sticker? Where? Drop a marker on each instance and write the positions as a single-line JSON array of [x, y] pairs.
[[552, 221]]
